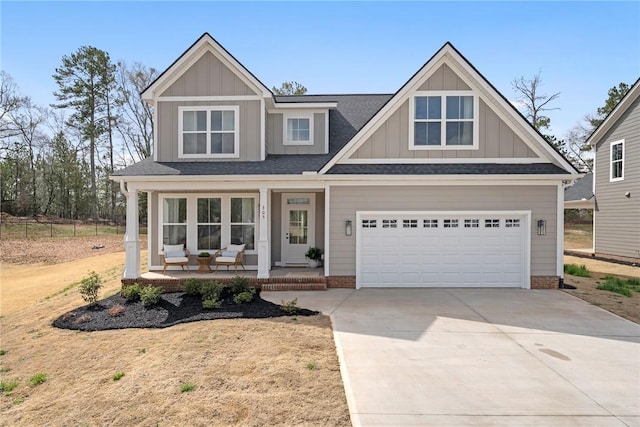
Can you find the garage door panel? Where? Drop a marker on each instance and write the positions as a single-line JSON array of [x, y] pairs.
[[443, 256]]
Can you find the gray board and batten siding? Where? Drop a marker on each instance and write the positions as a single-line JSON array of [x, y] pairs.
[[275, 135], [617, 217], [347, 200]]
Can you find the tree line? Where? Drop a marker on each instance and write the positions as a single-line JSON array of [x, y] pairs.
[[55, 160]]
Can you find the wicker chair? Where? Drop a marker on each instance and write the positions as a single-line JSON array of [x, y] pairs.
[[175, 255], [232, 255]]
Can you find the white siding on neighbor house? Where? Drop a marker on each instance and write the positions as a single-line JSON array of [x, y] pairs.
[[496, 140], [208, 77], [617, 217], [275, 133], [346, 200], [168, 129]]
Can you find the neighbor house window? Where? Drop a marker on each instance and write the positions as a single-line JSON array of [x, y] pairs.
[[174, 221], [298, 129], [617, 161], [209, 224], [243, 222], [444, 120], [208, 131]]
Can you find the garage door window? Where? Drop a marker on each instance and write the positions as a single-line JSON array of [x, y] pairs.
[[430, 223], [389, 223], [491, 223], [471, 223], [409, 223], [512, 223], [450, 223], [369, 223]]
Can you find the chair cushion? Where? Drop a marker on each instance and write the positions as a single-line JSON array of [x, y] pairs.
[[229, 253], [176, 259], [173, 251], [226, 259], [235, 248]]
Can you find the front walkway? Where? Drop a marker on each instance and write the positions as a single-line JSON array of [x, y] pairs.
[[486, 357]]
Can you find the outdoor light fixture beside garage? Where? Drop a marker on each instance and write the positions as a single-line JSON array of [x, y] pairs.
[[347, 228], [542, 227]]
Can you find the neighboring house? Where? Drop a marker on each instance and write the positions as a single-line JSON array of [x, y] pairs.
[[580, 194], [441, 184], [616, 142]]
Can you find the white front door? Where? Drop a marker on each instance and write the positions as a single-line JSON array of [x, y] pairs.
[[298, 226]]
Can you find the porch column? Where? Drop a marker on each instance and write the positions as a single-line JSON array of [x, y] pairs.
[[263, 238], [131, 238]]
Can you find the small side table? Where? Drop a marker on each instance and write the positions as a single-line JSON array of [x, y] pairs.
[[203, 264]]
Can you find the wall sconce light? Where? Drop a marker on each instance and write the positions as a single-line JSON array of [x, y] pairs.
[[347, 228], [542, 227]]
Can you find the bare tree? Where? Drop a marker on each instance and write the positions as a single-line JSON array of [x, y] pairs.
[[533, 104], [10, 101], [289, 88]]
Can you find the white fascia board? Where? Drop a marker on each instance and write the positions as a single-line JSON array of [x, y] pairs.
[[402, 180], [615, 114], [302, 105], [580, 204], [426, 161]]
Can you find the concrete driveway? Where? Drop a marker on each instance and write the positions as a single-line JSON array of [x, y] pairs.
[[494, 357]]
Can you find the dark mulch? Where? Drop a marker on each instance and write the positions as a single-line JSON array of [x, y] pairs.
[[174, 308]]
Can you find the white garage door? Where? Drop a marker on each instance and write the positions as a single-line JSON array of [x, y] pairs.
[[442, 250]]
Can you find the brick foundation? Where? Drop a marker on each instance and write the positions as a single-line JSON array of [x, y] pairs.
[[348, 282], [545, 282], [270, 284]]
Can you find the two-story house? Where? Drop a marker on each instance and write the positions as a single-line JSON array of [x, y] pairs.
[[616, 218], [442, 183]]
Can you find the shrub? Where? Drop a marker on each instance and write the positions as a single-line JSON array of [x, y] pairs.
[[290, 307], [244, 297], [132, 293], [116, 310], [117, 376], [150, 295], [90, 286], [187, 387], [576, 270], [192, 286], [211, 290], [211, 303], [7, 386], [240, 284], [38, 378]]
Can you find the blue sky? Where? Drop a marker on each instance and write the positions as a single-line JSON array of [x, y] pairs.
[[581, 48]]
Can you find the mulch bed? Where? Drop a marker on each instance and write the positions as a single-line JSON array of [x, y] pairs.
[[174, 308]]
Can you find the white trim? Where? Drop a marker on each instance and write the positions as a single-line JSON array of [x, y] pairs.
[[153, 268], [560, 231], [579, 204], [209, 98], [155, 131], [149, 225], [285, 127], [204, 44], [263, 132], [208, 131], [304, 105], [595, 203], [612, 118], [448, 55], [327, 227], [527, 231], [412, 160], [284, 221], [611, 144], [443, 120], [326, 132]]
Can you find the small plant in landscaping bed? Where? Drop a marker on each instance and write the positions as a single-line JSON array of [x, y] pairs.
[[576, 270], [38, 378], [619, 286], [290, 307], [211, 290], [312, 366], [192, 286], [187, 387], [244, 297], [117, 376], [90, 286], [116, 310], [7, 386], [132, 293], [211, 304], [240, 284], [150, 295]]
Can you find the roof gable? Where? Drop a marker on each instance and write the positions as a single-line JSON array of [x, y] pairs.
[[205, 44], [456, 74], [609, 122]]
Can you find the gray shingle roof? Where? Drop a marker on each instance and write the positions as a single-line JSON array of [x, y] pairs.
[[582, 189], [448, 169]]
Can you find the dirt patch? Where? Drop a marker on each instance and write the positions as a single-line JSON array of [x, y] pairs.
[[578, 236], [627, 307], [247, 372]]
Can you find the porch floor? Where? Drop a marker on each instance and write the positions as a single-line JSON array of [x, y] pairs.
[[276, 272]]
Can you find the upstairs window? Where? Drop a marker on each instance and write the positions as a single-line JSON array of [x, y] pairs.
[[617, 161], [208, 132], [444, 120], [298, 129]]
